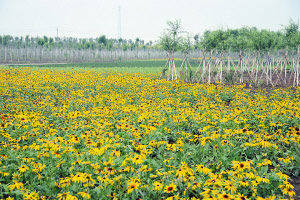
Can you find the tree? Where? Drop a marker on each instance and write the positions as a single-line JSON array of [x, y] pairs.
[[102, 41], [170, 41], [196, 41], [292, 34], [5, 41], [185, 71], [40, 41]]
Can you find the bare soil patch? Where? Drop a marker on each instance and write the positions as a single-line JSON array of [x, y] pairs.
[[296, 183]]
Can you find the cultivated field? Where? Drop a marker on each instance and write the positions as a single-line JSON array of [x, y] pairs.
[[87, 133]]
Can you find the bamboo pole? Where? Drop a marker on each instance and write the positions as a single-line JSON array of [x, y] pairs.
[[221, 66], [241, 67], [297, 71], [257, 68], [204, 68], [209, 66], [174, 66], [228, 63], [169, 62]]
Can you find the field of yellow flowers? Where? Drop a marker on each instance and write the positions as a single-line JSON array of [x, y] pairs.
[[83, 134]]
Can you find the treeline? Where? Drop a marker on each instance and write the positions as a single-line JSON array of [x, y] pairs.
[[47, 49], [101, 42], [67, 49], [250, 38]]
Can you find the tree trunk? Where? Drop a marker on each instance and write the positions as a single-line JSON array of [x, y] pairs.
[[5, 52]]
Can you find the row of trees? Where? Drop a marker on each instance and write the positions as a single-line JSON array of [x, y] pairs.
[[101, 42], [233, 43], [46, 49], [230, 39], [250, 38]]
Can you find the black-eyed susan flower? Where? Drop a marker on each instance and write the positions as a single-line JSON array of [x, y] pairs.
[[225, 196], [23, 168], [84, 195], [157, 186], [16, 184], [241, 197], [133, 185], [170, 188], [202, 169], [289, 192]]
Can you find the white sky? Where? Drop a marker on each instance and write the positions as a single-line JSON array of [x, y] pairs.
[[145, 19]]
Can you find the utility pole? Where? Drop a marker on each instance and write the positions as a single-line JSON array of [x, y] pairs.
[[57, 32], [119, 23]]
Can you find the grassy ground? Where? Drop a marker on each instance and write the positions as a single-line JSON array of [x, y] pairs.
[[131, 66]]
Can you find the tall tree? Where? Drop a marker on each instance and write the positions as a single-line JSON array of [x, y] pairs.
[[170, 41]]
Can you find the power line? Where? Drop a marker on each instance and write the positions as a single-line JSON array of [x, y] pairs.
[[47, 31], [79, 32], [54, 31], [25, 31]]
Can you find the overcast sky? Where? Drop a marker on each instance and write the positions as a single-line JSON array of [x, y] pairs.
[[145, 19]]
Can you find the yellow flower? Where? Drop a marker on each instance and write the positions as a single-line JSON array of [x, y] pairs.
[[241, 197], [31, 196], [23, 168], [84, 195], [16, 184], [225, 196], [116, 153], [273, 197], [133, 185], [180, 173], [195, 185], [4, 173], [170, 188], [109, 171], [289, 191], [264, 180], [288, 159], [264, 163], [230, 187], [66, 196], [138, 159], [112, 195], [202, 169], [157, 186], [244, 183], [60, 163], [241, 166]]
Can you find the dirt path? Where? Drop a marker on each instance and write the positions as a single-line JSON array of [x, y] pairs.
[[296, 183]]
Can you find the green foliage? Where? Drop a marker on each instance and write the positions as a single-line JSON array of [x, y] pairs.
[[75, 132], [118, 64], [101, 42], [250, 38], [171, 39], [40, 41], [186, 44], [166, 43], [229, 78], [226, 96]]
